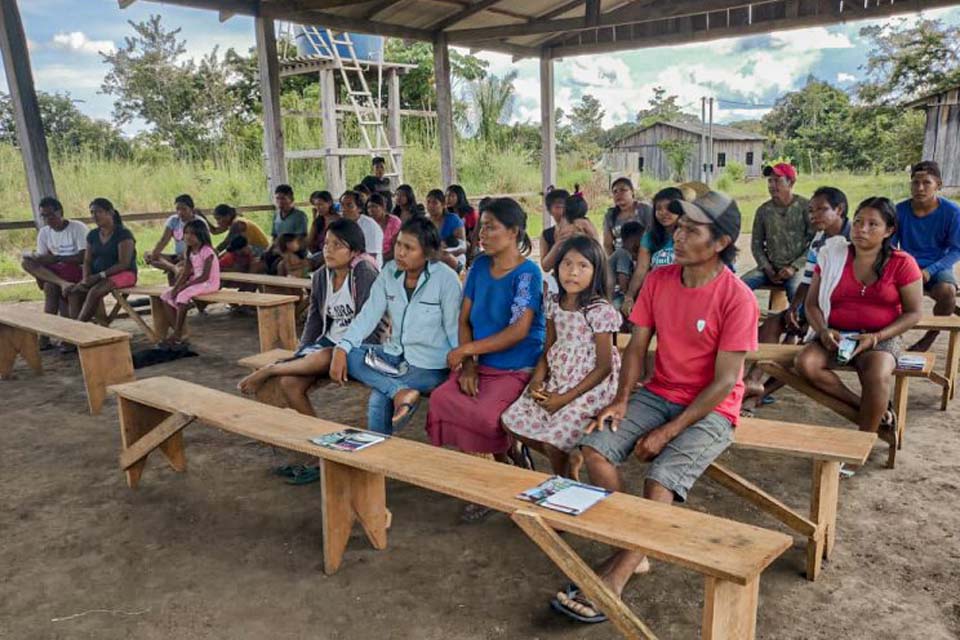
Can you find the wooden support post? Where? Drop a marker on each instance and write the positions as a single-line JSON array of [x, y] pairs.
[[268, 65], [548, 131], [349, 494], [761, 499], [277, 327], [395, 130], [445, 130], [26, 109], [901, 392], [798, 383], [778, 300], [161, 324], [103, 365], [730, 610], [824, 494], [139, 450], [583, 576], [136, 421], [328, 113], [15, 342], [950, 370], [123, 303]]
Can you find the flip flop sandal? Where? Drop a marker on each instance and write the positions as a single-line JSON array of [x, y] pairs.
[[403, 420], [307, 476], [846, 472], [574, 593], [765, 400], [524, 460], [288, 470], [747, 413], [474, 513]]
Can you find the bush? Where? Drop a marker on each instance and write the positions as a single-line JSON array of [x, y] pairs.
[[735, 170], [724, 182]]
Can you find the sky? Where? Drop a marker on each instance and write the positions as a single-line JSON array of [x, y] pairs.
[[746, 75]]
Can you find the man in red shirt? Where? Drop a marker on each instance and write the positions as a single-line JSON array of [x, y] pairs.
[[705, 320]]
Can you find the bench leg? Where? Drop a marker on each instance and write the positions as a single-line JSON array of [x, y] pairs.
[[277, 326], [901, 393], [950, 370], [730, 610], [798, 383], [161, 327], [350, 494], [778, 300], [824, 493], [103, 365], [125, 304], [136, 421], [584, 577], [17, 341]]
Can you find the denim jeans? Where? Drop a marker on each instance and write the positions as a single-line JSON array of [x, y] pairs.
[[383, 387], [756, 278]]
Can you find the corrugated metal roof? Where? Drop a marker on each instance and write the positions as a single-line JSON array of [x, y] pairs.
[[720, 132]]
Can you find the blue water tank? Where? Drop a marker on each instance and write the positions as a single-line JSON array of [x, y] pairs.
[[366, 47]]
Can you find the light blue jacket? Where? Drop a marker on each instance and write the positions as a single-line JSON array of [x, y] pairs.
[[424, 329]]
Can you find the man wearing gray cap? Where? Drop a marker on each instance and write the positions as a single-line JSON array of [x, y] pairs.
[[705, 320]]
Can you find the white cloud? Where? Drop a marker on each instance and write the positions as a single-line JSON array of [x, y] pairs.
[[79, 42], [60, 77], [846, 77]]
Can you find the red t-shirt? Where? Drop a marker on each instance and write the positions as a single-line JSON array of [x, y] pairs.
[[470, 219], [692, 325], [854, 307]]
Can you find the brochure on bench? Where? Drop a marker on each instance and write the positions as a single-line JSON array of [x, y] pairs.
[[912, 363], [565, 495], [348, 440]]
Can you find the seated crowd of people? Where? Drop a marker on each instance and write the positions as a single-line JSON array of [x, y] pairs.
[[442, 300]]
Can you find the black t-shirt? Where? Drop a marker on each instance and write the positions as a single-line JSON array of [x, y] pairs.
[[381, 186], [106, 254], [550, 237]]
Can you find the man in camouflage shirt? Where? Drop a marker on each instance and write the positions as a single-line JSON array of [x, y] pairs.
[[781, 233]]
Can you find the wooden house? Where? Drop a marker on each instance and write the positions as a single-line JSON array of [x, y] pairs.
[[941, 140], [640, 152]]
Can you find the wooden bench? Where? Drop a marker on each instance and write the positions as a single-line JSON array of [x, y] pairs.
[[826, 447], [267, 283], [730, 555], [951, 325], [104, 353], [776, 360], [778, 297], [276, 314]]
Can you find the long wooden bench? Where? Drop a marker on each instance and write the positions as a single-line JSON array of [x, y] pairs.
[[104, 353], [267, 283], [276, 314], [730, 555], [776, 360], [825, 447]]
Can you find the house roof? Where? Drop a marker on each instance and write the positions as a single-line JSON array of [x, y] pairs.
[[923, 101], [720, 132], [558, 28]]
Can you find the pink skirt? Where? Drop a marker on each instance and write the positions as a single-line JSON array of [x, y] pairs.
[[188, 294], [472, 424]]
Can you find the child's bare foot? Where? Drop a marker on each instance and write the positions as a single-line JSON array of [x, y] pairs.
[[252, 383]]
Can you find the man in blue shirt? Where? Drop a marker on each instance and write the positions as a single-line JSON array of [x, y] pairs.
[[928, 228]]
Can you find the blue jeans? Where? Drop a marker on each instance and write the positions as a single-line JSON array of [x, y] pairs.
[[384, 387], [756, 278]]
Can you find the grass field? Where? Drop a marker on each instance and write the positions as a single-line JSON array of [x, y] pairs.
[[152, 187]]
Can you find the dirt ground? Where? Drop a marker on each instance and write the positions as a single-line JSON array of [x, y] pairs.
[[228, 551]]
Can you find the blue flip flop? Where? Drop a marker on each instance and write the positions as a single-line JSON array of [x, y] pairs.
[[572, 591], [411, 410]]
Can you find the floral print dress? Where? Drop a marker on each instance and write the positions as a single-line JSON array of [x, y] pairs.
[[571, 358]]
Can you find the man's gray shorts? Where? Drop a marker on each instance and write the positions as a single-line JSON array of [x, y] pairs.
[[683, 460]]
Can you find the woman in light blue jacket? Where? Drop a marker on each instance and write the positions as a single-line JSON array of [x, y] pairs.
[[422, 297]]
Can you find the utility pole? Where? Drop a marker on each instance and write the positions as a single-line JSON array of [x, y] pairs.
[[703, 139], [710, 149]]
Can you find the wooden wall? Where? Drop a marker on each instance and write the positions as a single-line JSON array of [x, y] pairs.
[[941, 141], [625, 156]]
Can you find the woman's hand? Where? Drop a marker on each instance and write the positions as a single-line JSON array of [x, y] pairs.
[[865, 342], [469, 380], [535, 388], [338, 366], [550, 401], [612, 413], [455, 357], [627, 306], [830, 339]]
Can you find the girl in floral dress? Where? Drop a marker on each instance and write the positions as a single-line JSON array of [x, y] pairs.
[[577, 374]]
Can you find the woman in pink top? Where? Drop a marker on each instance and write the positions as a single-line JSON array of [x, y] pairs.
[[200, 274], [377, 209], [871, 293]]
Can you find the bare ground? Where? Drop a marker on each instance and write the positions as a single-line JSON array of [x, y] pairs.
[[228, 551]]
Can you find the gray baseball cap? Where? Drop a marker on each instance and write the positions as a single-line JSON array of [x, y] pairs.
[[712, 207]]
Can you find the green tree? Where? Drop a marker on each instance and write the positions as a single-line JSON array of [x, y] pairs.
[[663, 107], [186, 104], [418, 91], [67, 129], [586, 118], [678, 154], [493, 101], [909, 59]]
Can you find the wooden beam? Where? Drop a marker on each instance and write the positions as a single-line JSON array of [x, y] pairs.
[[591, 14], [328, 108], [445, 129], [268, 65], [548, 130], [153, 439], [226, 15], [241, 7], [357, 25], [394, 129], [125, 3], [463, 14], [26, 109], [379, 7]]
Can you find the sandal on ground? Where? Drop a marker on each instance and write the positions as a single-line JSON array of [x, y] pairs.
[[747, 413], [765, 400], [847, 471], [571, 602], [521, 458], [411, 407], [288, 470], [305, 476], [474, 513]]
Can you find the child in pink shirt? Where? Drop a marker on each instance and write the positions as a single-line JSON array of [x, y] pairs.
[[200, 274]]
